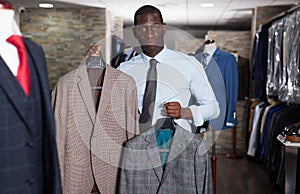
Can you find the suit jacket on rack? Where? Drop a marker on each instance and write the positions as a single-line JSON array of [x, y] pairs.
[[90, 141], [188, 168], [244, 77], [259, 61], [29, 161]]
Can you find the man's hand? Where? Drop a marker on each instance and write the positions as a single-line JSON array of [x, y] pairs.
[[174, 110]]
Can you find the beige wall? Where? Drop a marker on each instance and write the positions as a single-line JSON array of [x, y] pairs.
[[239, 41]]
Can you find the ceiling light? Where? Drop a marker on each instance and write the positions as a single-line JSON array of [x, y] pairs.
[[207, 4], [167, 5], [45, 5]]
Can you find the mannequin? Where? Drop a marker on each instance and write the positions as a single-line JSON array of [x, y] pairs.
[[29, 160], [228, 68], [7, 20], [227, 63], [218, 63], [210, 47], [236, 55], [215, 78], [8, 27]]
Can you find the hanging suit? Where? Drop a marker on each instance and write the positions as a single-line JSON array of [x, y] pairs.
[[29, 160], [188, 168], [259, 61], [244, 77], [80, 128]]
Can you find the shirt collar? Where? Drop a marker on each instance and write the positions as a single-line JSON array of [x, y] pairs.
[[159, 57], [210, 49]]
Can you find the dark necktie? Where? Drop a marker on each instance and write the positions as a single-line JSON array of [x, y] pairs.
[[23, 75], [149, 97]]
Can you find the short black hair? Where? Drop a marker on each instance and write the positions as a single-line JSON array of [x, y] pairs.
[[147, 9]]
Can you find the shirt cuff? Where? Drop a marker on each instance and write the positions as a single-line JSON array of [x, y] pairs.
[[229, 124], [197, 117]]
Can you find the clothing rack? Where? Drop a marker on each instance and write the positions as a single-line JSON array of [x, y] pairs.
[[282, 14]]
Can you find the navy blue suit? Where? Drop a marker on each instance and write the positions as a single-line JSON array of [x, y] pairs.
[[29, 160], [259, 61], [229, 70]]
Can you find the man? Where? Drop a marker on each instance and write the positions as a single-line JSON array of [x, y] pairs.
[[166, 157], [179, 76]]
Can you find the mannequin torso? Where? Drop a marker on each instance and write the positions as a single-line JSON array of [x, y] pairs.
[[210, 48], [8, 27]]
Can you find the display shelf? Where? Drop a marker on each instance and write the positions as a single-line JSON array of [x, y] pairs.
[[282, 139]]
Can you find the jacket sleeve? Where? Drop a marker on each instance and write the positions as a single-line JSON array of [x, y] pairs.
[[231, 84]]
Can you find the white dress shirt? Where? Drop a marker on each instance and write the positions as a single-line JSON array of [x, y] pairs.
[[9, 54], [210, 50], [179, 77], [8, 27]]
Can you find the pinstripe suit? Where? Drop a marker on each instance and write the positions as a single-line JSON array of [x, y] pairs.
[[80, 128], [28, 154], [188, 169]]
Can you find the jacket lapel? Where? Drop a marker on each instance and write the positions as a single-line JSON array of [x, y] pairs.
[[216, 54], [153, 154], [37, 56], [181, 140], [10, 89], [85, 91]]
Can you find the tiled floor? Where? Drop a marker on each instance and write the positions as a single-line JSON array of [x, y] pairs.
[[240, 176]]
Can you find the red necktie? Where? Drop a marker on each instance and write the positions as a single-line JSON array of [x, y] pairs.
[[23, 75]]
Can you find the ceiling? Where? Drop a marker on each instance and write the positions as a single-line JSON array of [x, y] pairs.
[[230, 14]]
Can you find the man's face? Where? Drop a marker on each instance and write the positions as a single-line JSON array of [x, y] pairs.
[[149, 31]]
